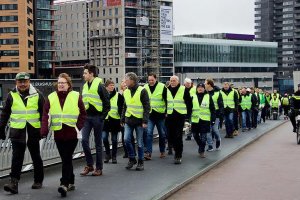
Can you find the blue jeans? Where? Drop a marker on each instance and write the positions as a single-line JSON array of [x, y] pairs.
[[200, 139], [246, 119], [159, 123], [114, 141], [95, 123], [214, 132], [229, 123], [139, 137]]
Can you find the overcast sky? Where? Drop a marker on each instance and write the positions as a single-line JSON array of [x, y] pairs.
[[213, 16]]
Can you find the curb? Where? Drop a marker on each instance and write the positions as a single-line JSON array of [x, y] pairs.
[[177, 187]]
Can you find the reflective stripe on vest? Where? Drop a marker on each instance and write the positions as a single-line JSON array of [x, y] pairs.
[[228, 99], [170, 102], [246, 102], [134, 104], [215, 98], [201, 111], [179, 104], [67, 115], [114, 112], [156, 99], [91, 96], [21, 114]]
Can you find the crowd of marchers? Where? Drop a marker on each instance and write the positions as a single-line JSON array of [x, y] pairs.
[[133, 111]]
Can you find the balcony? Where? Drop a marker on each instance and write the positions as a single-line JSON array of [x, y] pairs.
[[47, 6]]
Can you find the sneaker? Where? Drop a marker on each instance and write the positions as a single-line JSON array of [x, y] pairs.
[[131, 162], [36, 185], [210, 148], [114, 160], [162, 155], [177, 161], [188, 138], [97, 172], [147, 156], [202, 155], [71, 187], [86, 170], [218, 145], [62, 190], [140, 166], [107, 158]]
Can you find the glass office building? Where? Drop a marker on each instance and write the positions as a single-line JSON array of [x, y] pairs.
[[245, 63]]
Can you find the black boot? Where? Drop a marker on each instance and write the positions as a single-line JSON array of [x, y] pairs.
[[107, 158], [131, 162], [140, 166], [12, 187]]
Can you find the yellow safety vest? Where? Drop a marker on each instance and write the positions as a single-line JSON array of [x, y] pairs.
[[91, 96], [228, 99], [179, 104], [113, 113], [275, 103], [215, 98], [193, 91], [134, 104], [156, 100], [201, 111], [285, 101], [21, 114], [67, 115], [246, 102]]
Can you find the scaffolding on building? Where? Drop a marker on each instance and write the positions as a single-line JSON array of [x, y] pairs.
[[148, 37]]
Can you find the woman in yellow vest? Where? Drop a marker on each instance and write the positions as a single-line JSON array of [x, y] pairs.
[[203, 116], [275, 104], [112, 122], [67, 115], [285, 102]]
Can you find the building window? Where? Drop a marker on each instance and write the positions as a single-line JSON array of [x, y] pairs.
[[29, 32], [8, 18], [110, 51], [30, 65], [103, 22], [116, 61], [117, 80], [9, 53], [9, 7], [104, 52], [9, 41], [30, 43], [110, 61], [104, 42], [104, 61], [30, 54], [103, 70], [9, 64], [9, 30], [116, 11], [116, 51], [116, 21], [117, 70], [109, 70], [116, 41], [109, 12], [109, 42], [103, 13]]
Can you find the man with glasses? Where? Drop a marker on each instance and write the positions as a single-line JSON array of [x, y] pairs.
[[23, 109]]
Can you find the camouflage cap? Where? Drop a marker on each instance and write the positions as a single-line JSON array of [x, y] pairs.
[[22, 76]]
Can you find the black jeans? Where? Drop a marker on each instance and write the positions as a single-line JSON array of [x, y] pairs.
[[200, 139], [66, 150], [175, 127], [18, 158]]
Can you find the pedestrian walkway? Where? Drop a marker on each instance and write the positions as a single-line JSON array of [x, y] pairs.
[[159, 179], [267, 169]]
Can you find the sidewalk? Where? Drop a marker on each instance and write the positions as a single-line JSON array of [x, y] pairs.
[[266, 169], [159, 179]]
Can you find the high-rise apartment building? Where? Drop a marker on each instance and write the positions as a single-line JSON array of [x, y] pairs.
[[279, 21], [131, 36], [72, 37], [16, 37], [44, 38]]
